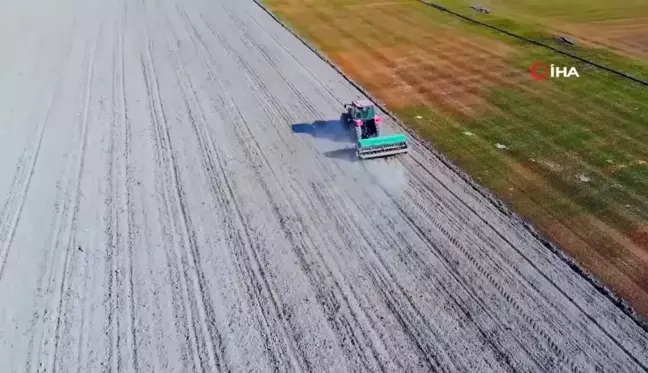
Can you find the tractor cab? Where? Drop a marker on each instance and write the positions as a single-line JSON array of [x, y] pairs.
[[363, 110]]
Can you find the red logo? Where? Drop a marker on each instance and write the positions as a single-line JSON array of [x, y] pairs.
[[540, 71]]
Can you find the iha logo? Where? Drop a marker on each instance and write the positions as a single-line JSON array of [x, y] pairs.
[[542, 71]]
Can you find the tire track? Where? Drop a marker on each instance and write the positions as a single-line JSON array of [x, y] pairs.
[[380, 274], [187, 239], [26, 162], [453, 270], [86, 256], [535, 326], [408, 316], [188, 343], [473, 262], [489, 334], [72, 221], [291, 224], [112, 232], [349, 235], [259, 279], [450, 270], [271, 61], [15, 201], [262, 163], [127, 185], [277, 107], [198, 123], [383, 282], [379, 277], [63, 240], [285, 220], [161, 170], [513, 267], [83, 346], [39, 315], [268, 166], [119, 277], [321, 85], [210, 153]]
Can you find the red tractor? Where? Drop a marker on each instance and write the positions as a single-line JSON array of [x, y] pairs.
[[368, 128]]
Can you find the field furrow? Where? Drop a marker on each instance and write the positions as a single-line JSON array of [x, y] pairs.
[[181, 196]]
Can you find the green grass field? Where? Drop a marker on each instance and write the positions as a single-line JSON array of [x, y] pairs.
[[576, 156]]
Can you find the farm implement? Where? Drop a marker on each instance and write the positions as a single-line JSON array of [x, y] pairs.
[[371, 143]]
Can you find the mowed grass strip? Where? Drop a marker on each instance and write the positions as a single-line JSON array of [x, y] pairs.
[[568, 154]]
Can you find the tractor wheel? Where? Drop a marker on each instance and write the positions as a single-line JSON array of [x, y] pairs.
[[344, 119], [371, 129]]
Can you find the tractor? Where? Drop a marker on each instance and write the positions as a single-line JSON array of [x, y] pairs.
[[371, 143]]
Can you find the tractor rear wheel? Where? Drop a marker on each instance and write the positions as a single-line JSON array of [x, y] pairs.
[[371, 129]]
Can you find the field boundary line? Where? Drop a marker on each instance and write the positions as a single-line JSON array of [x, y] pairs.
[[620, 303], [520, 37]]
